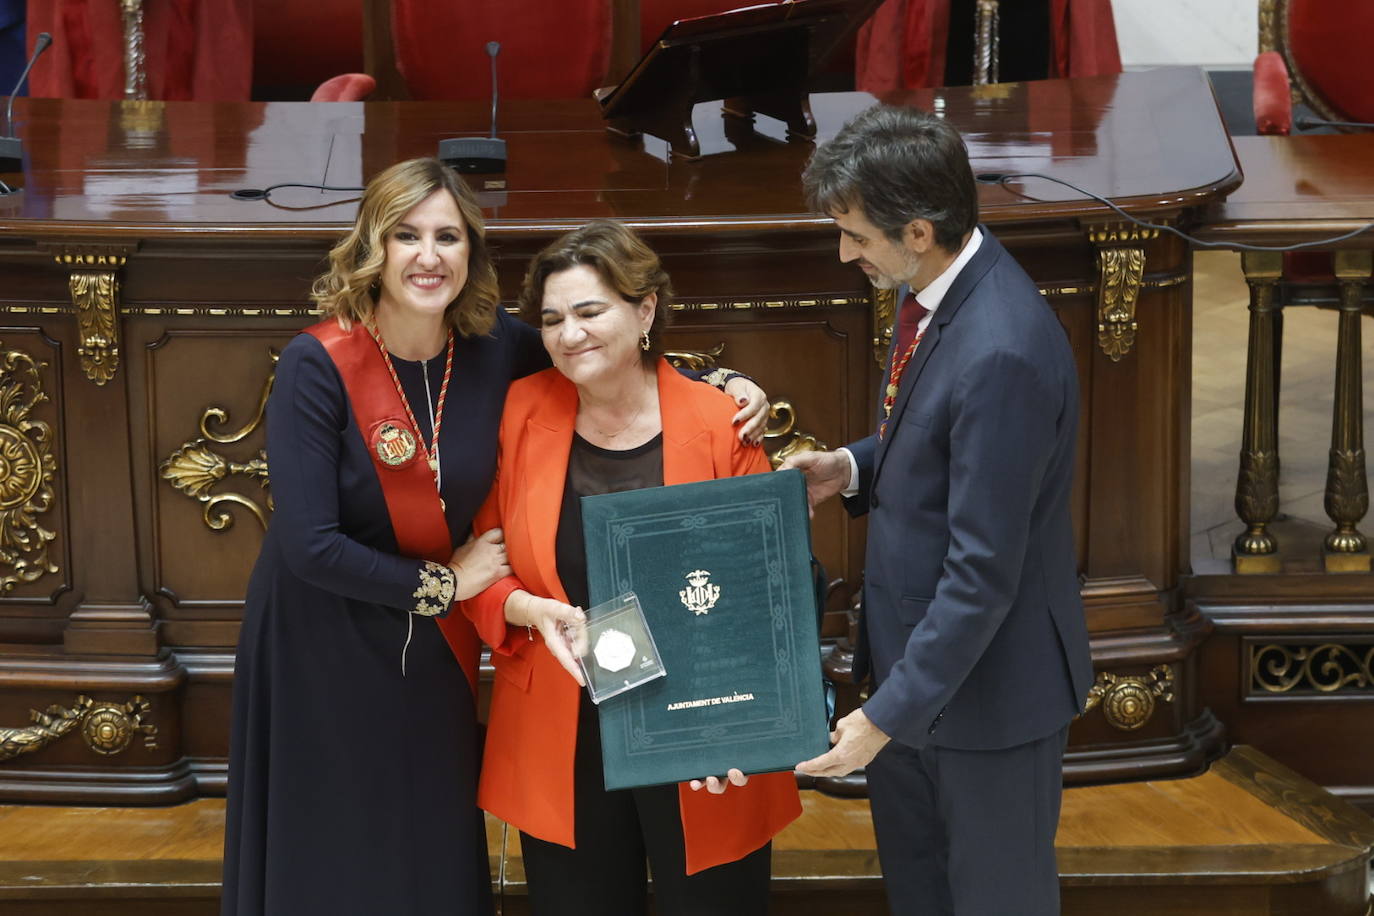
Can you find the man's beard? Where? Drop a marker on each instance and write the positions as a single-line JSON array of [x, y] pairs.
[[910, 267]]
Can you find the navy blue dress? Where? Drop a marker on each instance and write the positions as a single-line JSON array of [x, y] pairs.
[[352, 788]]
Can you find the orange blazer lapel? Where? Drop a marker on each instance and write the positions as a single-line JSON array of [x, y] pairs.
[[542, 471], [541, 468], [686, 440]]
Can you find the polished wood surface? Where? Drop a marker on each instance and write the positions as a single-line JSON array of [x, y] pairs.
[[1247, 837], [202, 289], [1298, 189], [165, 170]]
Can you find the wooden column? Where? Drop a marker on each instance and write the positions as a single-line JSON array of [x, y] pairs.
[[113, 617], [1257, 484], [1347, 488]]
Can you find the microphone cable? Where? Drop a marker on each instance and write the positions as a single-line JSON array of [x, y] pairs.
[[1001, 178], [266, 193]]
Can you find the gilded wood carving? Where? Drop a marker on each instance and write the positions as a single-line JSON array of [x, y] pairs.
[[94, 293], [1120, 271], [1324, 668], [987, 50], [1128, 701], [1268, 28], [27, 468], [780, 437], [196, 469], [107, 728], [93, 283], [1120, 277], [135, 76]]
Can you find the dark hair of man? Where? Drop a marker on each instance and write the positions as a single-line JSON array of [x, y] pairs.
[[897, 165], [619, 256]]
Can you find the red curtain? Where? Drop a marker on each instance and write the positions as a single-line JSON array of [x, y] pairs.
[[903, 45], [194, 49]]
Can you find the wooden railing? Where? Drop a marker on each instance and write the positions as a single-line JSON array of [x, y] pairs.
[[1345, 548]]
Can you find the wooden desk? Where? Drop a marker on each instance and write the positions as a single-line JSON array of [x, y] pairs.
[[1283, 669], [145, 305], [1297, 189]]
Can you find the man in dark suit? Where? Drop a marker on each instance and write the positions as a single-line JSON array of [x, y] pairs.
[[972, 626]]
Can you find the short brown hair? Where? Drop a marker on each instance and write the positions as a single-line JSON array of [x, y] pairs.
[[624, 262], [897, 164], [347, 290]]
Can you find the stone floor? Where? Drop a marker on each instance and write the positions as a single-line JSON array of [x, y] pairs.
[[1220, 330]]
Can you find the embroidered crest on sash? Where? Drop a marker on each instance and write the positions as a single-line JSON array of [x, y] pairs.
[[700, 595], [394, 444]]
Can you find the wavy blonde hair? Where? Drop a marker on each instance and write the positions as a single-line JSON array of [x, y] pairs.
[[348, 289]]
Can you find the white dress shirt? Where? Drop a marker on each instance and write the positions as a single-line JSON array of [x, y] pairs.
[[930, 299]]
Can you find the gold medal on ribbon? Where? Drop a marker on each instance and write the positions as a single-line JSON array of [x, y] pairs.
[[394, 444]]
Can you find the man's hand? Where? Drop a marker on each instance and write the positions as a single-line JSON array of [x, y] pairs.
[[827, 473], [856, 742], [752, 402]]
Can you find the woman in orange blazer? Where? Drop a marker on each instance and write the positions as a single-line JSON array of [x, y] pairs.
[[612, 415]]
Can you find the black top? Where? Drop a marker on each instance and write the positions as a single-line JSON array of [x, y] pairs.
[[593, 470]]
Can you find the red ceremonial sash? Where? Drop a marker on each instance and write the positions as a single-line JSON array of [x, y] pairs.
[[407, 482]]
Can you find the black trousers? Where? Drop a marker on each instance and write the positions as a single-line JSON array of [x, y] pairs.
[[615, 832], [969, 833]]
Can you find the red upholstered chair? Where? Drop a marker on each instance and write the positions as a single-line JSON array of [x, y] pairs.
[[346, 87], [300, 44], [1273, 99], [1314, 52], [549, 50]]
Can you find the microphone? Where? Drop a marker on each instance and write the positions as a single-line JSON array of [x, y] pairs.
[[11, 147], [1309, 123], [480, 155]]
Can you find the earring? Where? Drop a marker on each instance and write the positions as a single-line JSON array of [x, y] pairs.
[[644, 340]]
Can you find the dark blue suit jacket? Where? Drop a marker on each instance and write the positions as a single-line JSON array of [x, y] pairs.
[[973, 627]]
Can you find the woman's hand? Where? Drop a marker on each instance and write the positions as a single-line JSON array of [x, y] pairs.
[[753, 408], [717, 786], [563, 627], [479, 563]]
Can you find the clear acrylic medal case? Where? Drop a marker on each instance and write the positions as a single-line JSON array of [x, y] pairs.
[[620, 652]]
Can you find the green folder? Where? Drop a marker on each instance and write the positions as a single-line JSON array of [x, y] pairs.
[[723, 571]]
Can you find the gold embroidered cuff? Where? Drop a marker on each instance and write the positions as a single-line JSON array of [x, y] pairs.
[[717, 378], [438, 585]]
